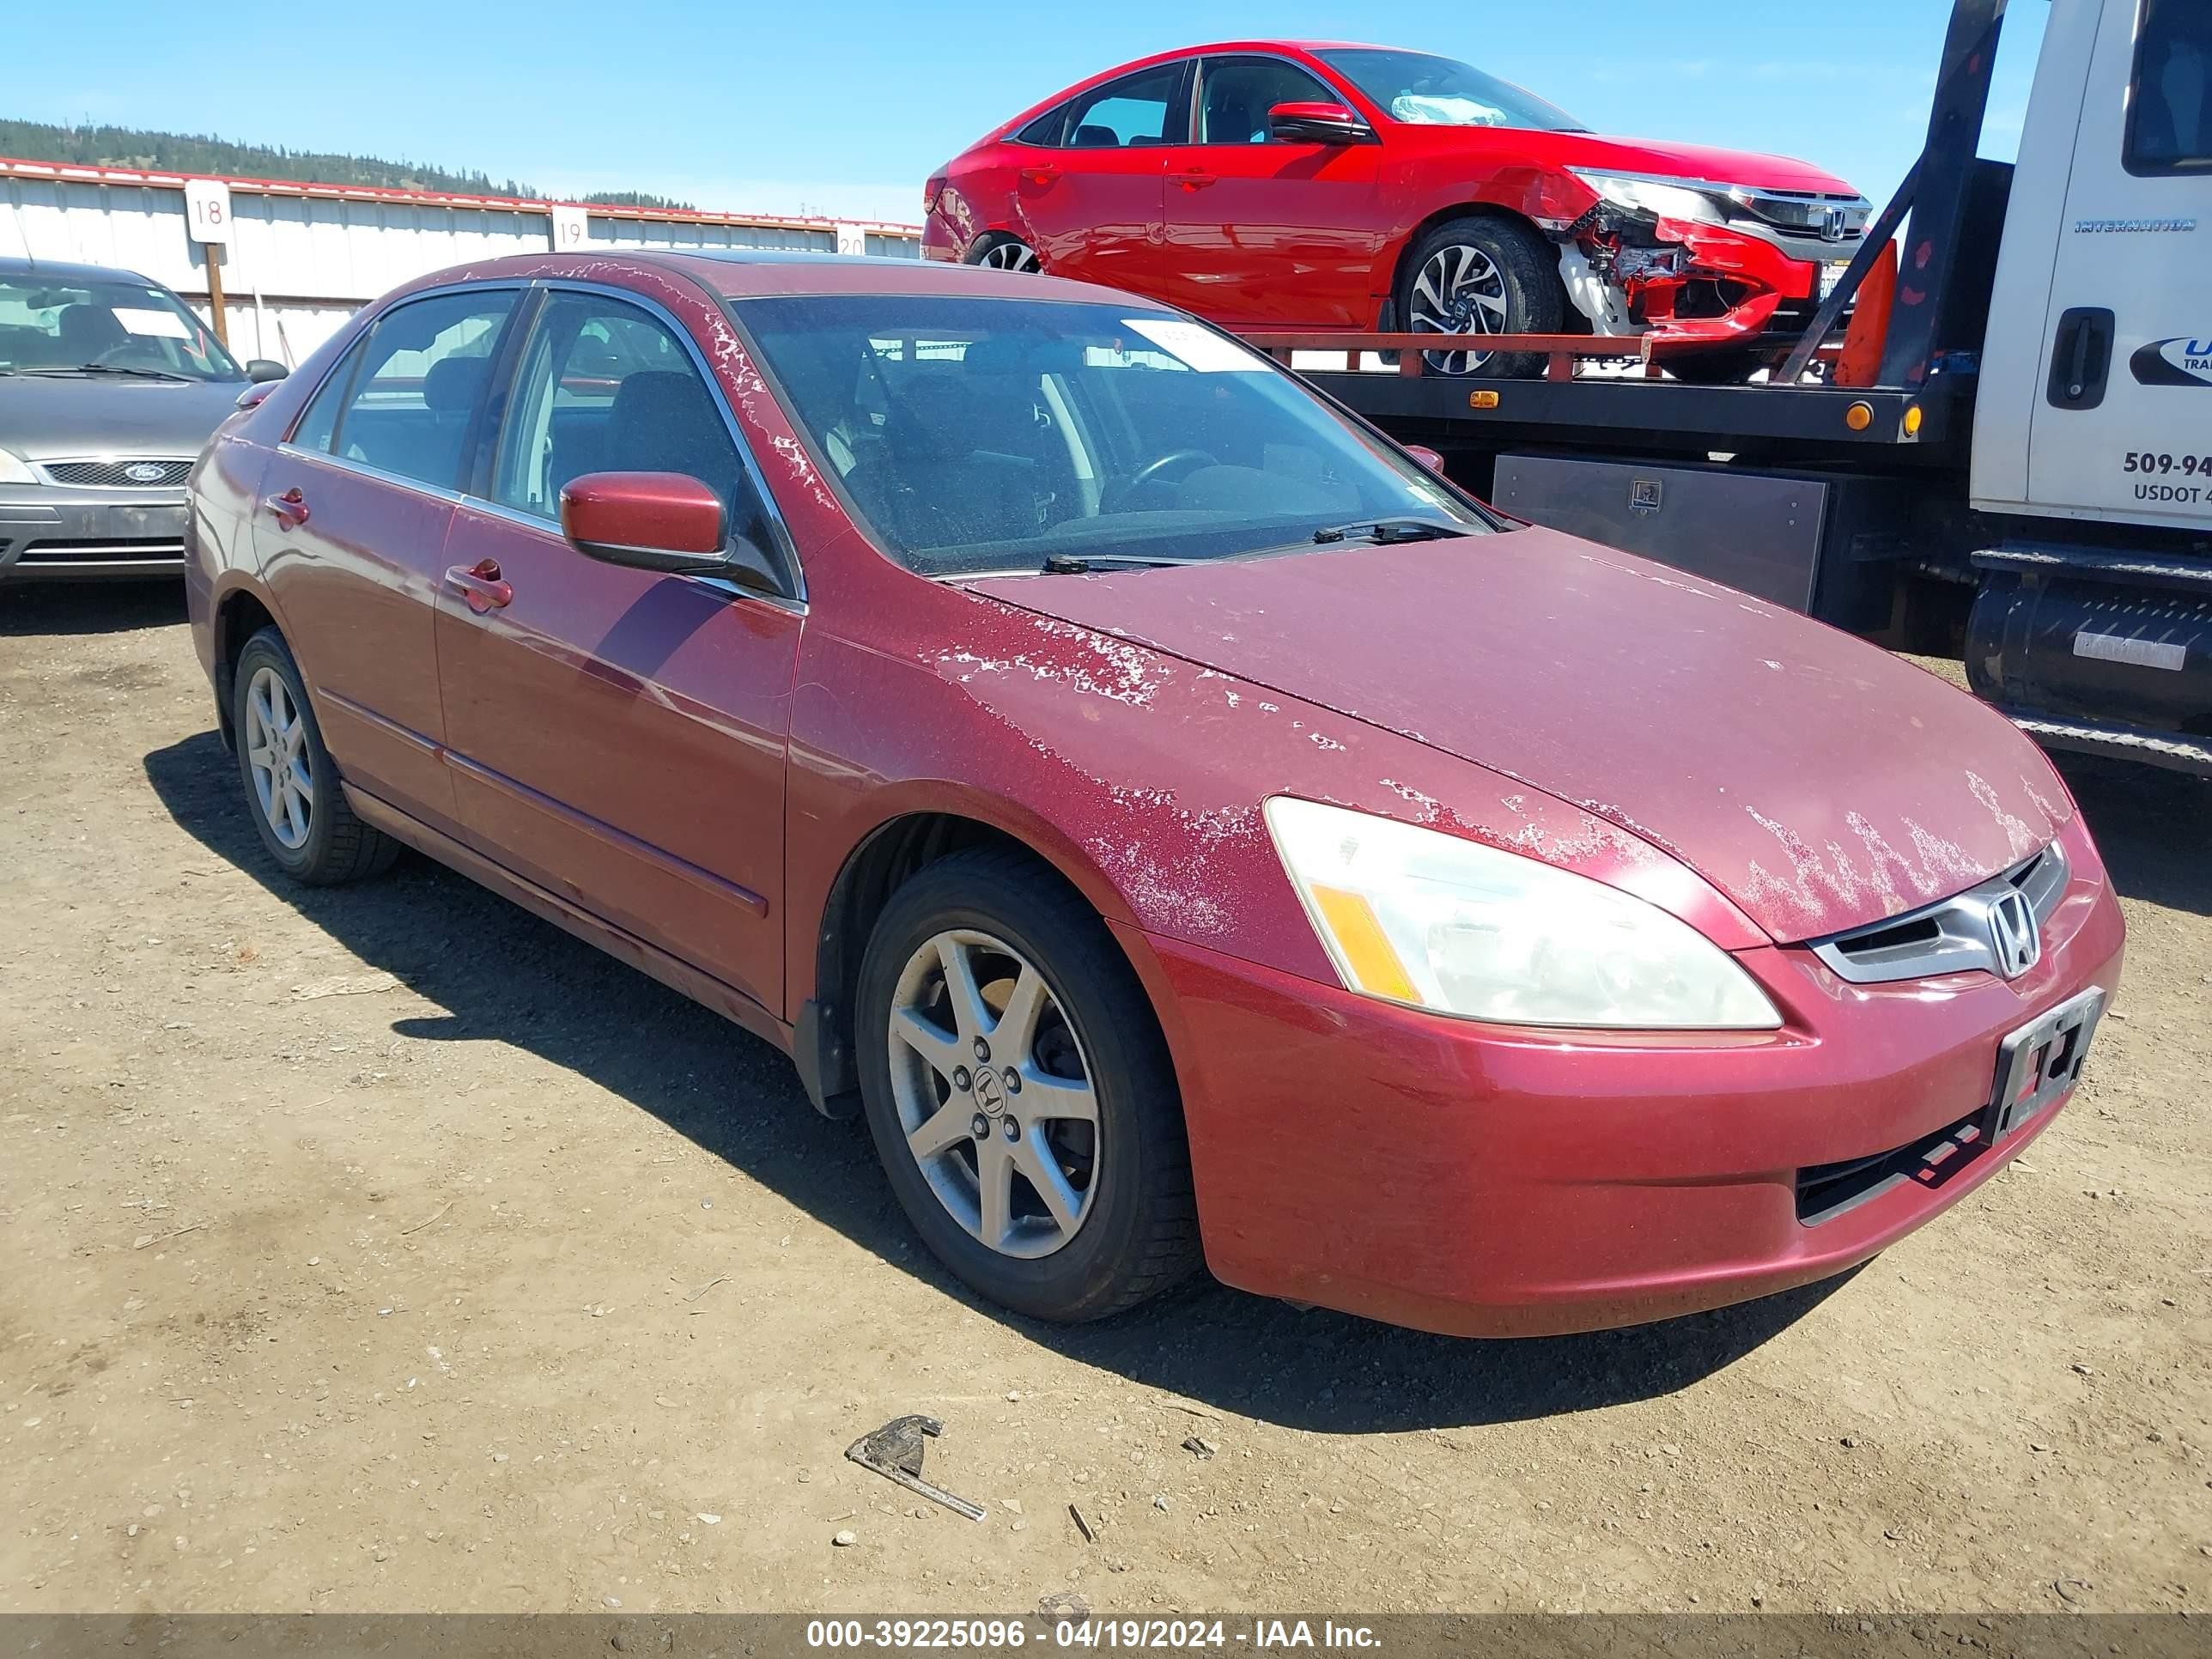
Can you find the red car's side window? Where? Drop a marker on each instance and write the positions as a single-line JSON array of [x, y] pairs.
[[1235, 94]]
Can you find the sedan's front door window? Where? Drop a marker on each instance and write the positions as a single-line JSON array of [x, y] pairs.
[[606, 387], [1238, 93]]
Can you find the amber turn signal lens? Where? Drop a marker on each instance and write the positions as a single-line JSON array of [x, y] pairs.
[[1859, 416], [1482, 400], [1912, 419]]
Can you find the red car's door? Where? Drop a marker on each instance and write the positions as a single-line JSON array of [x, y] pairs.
[[1091, 204], [1268, 234], [618, 737], [350, 531]]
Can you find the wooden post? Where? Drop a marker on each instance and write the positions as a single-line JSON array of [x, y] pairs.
[[213, 253]]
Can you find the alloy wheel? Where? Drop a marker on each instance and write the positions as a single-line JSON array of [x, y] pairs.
[[1011, 256], [1460, 291], [278, 755], [994, 1094]]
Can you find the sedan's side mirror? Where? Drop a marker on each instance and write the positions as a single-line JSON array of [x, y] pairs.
[[259, 369], [663, 521], [1427, 457], [1317, 123]]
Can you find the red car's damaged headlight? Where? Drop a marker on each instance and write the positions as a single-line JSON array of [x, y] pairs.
[[1416, 917], [1662, 199]]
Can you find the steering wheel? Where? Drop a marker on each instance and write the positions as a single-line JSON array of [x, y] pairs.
[[120, 346], [1153, 470]]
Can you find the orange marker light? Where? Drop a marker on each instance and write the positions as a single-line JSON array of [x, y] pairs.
[[1859, 416], [1482, 400], [1367, 953], [1912, 419]]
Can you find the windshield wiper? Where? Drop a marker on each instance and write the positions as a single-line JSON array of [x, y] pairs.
[[1077, 564], [116, 368], [1385, 532]]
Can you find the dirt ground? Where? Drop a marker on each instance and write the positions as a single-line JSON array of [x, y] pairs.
[[385, 1248]]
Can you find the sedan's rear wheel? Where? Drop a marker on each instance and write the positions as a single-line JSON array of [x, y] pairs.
[[999, 252], [291, 787], [1020, 1094]]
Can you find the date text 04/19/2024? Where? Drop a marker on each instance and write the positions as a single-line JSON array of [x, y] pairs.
[[1161, 1635]]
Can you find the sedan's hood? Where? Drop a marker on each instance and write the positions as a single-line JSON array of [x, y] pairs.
[[1817, 782], [52, 416], [1666, 159]]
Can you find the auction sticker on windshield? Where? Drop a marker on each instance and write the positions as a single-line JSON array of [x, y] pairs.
[[1200, 348]]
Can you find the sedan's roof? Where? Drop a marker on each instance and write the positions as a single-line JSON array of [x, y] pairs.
[[56, 270], [751, 273]]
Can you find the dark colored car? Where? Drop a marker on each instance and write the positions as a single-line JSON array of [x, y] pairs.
[[109, 385], [1174, 817], [1317, 186]]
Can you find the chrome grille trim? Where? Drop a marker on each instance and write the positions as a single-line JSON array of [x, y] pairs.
[[1957, 934], [112, 471]]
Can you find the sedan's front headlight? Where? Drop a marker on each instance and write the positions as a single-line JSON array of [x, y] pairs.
[[1415, 916], [14, 470], [1653, 196]]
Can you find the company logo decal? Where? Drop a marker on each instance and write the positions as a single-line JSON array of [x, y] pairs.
[[2185, 360], [145, 472]]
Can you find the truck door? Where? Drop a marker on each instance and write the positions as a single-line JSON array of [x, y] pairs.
[[2121, 426]]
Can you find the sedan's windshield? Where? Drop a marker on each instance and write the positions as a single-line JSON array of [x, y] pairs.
[[70, 326], [1000, 434], [1427, 91]]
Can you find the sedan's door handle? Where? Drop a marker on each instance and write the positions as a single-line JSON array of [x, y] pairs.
[[481, 584], [290, 508], [1193, 180]]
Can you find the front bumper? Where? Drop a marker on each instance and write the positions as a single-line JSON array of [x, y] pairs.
[[1482, 1180], [54, 532], [1731, 282]]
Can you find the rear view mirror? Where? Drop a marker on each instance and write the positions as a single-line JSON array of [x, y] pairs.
[[259, 369], [1317, 123], [664, 521]]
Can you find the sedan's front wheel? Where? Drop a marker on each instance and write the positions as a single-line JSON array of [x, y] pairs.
[[1019, 1093]]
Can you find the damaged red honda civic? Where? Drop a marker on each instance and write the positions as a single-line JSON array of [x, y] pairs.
[[1303, 186], [1185, 828]]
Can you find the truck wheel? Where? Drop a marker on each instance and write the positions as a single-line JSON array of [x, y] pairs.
[[1481, 274], [1000, 252], [291, 787], [1020, 1094]]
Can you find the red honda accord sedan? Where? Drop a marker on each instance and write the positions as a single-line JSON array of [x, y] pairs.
[[1184, 826], [1299, 185]]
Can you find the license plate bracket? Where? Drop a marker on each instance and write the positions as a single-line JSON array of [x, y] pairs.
[[2042, 1061]]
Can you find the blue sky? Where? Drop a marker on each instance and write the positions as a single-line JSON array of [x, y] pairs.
[[845, 108]]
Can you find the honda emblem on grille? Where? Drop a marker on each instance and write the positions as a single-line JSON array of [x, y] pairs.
[[2014, 941], [145, 472], [1833, 222]]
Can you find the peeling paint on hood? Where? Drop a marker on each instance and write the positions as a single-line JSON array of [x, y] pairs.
[[1817, 782]]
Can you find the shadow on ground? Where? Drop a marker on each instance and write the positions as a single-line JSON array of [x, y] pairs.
[[501, 975], [2152, 826], [104, 607]]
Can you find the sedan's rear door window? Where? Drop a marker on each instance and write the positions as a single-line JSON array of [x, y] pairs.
[[416, 399], [1151, 107]]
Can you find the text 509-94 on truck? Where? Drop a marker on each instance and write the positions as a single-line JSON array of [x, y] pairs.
[[1279, 185]]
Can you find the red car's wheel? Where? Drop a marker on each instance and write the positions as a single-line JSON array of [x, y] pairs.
[[1481, 274], [999, 252], [1019, 1093]]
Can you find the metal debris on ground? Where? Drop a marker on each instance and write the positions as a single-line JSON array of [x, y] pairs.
[[894, 1451], [1081, 1525]]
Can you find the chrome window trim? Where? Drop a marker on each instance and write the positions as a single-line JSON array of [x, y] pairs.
[[1964, 938], [786, 544]]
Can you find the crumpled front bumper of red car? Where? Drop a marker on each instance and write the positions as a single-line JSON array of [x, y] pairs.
[[1487, 1180]]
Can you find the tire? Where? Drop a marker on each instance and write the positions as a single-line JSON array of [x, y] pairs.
[[1717, 367], [1003, 252], [1126, 1186], [322, 842], [1483, 274]]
